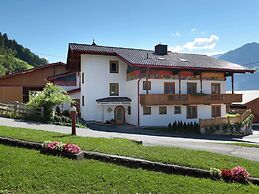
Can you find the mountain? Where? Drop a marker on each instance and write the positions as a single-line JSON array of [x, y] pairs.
[[14, 57], [246, 55], [217, 56]]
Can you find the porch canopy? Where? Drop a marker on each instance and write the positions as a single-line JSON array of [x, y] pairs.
[[114, 101]]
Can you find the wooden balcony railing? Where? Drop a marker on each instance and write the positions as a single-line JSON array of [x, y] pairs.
[[188, 99], [224, 120]]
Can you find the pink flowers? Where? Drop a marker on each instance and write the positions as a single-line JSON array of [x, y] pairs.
[[240, 174], [59, 146], [71, 148]]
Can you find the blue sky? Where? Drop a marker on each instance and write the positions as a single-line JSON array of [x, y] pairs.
[[193, 26]]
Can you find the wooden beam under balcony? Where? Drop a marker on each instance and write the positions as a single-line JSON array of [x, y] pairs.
[[188, 99]]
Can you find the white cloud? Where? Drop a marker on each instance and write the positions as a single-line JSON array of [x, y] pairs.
[[197, 44], [194, 29], [202, 43], [176, 49], [178, 34]]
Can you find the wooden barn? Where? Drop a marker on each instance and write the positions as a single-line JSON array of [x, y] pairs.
[[250, 101], [17, 86]]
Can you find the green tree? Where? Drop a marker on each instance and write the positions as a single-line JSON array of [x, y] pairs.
[[49, 98]]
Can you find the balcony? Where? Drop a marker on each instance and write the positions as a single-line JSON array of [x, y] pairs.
[[188, 99]]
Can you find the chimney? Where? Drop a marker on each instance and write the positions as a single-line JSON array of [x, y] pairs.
[[161, 49]]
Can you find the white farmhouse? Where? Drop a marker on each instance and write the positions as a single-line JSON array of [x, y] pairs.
[[150, 87]]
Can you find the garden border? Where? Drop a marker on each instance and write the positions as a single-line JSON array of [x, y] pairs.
[[125, 161]]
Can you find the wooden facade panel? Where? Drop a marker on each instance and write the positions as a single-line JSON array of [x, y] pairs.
[[34, 78], [11, 94], [254, 106]]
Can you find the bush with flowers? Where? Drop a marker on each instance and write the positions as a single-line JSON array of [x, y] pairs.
[[61, 147], [215, 173], [71, 148], [238, 174]]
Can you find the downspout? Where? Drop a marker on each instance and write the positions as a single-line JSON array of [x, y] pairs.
[[141, 76]]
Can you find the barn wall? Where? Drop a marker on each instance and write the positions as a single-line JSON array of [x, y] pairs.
[[34, 78], [11, 94], [253, 105]]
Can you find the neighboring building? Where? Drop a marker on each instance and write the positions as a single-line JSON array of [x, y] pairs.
[[250, 101], [18, 86], [150, 88]]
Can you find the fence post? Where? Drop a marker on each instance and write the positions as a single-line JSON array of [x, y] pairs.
[[42, 111], [239, 118], [15, 108], [228, 120]]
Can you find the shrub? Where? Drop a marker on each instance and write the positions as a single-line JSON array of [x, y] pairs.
[[240, 174], [50, 97]]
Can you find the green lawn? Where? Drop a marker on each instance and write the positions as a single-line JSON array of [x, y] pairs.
[[28, 171], [186, 157], [246, 145]]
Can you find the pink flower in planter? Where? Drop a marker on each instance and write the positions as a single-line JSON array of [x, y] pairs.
[[55, 145], [71, 148], [240, 174]]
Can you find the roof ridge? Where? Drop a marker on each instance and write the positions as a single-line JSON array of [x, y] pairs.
[[111, 47]]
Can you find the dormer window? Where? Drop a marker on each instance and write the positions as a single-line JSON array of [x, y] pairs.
[[114, 66]]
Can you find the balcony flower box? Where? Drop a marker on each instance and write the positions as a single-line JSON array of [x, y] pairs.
[[55, 148]]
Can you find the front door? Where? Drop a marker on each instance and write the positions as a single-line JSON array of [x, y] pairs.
[[119, 115]]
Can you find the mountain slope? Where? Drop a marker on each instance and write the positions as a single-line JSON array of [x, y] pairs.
[[247, 55], [8, 46], [14, 57]]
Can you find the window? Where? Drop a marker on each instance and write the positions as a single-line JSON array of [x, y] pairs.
[[129, 110], [191, 112], [146, 110], [83, 100], [215, 88], [177, 110], [191, 88], [114, 89], [215, 111], [169, 88], [146, 85], [83, 78], [114, 66], [162, 110]]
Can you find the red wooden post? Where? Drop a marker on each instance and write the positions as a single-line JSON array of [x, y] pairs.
[[73, 118]]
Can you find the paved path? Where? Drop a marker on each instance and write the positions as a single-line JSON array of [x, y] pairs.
[[148, 137]]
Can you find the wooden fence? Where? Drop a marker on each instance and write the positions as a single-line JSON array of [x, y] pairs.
[[224, 120], [18, 109]]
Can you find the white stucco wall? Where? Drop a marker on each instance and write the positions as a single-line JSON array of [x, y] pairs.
[[97, 77]]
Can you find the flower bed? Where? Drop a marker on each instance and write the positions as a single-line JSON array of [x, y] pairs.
[[68, 150], [236, 174]]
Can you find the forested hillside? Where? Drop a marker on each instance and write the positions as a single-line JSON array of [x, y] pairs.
[[14, 57]]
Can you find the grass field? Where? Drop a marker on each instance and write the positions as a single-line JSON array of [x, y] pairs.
[[28, 171], [192, 158], [251, 145]]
